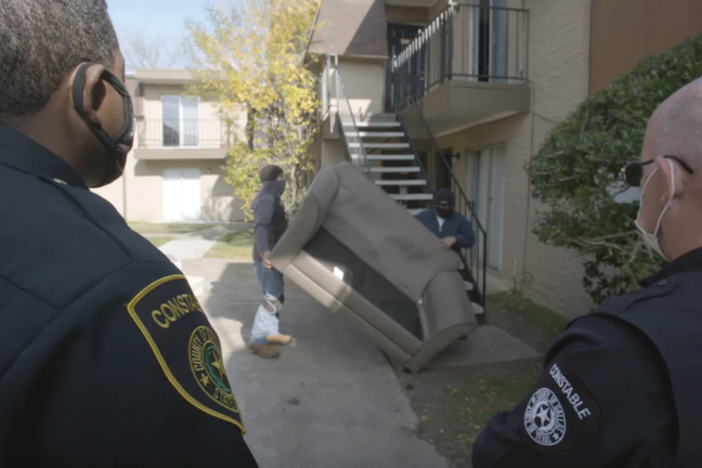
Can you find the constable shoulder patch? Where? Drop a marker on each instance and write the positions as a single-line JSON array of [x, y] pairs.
[[560, 412], [187, 349]]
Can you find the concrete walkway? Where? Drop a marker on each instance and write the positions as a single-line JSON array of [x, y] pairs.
[[196, 244], [330, 400], [187, 249]]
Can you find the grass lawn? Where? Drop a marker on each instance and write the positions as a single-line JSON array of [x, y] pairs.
[[171, 228], [234, 246], [159, 241], [454, 404]]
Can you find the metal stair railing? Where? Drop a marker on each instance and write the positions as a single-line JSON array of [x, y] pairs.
[[425, 146], [351, 142]]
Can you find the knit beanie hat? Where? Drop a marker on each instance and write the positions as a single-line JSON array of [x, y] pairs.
[[270, 173]]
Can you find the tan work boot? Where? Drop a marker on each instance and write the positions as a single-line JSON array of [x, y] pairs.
[[282, 340], [265, 351]]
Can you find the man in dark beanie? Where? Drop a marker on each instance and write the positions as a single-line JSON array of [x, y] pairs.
[[452, 228], [270, 222]]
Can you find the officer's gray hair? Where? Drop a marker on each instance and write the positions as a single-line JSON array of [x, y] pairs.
[[679, 131], [41, 41]]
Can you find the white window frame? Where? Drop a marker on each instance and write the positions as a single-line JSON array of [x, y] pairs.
[[180, 122]]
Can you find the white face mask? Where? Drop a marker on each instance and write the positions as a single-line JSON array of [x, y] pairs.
[[651, 238]]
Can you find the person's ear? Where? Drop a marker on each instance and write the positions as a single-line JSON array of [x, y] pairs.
[[671, 187], [94, 92]]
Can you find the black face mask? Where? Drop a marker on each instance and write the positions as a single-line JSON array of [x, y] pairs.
[[444, 212], [118, 148], [279, 186]]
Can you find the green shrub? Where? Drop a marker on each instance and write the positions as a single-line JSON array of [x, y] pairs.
[[581, 159]]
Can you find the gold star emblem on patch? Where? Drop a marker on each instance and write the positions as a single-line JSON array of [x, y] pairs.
[[217, 364], [204, 379]]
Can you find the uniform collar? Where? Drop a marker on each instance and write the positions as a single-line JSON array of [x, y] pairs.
[[24, 154], [691, 261]]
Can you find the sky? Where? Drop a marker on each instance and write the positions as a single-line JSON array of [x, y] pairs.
[[160, 18]]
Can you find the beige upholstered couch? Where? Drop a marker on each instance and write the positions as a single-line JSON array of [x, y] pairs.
[[362, 255]]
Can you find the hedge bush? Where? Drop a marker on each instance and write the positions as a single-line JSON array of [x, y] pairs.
[[580, 162]]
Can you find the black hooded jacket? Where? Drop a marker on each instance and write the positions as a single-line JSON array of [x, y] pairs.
[[270, 220]]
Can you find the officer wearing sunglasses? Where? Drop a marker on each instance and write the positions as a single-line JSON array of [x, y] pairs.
[[622, 386]]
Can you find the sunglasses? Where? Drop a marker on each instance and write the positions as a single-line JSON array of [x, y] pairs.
[[633, 172]]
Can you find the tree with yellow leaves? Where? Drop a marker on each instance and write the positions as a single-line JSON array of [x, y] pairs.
[[249, 57]]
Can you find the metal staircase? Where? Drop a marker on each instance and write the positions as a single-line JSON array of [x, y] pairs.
[[389, 155], [393, 164]]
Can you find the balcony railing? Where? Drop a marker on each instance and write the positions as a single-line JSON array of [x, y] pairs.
[[191, 134], [464, 42]]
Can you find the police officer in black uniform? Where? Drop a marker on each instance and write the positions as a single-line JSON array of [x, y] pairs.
[[106, 356], [621, 387]]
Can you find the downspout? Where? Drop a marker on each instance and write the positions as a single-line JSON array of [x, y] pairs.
[[531, 157], [528, 194]]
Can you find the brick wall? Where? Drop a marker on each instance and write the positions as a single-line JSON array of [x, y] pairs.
[[558, 69]]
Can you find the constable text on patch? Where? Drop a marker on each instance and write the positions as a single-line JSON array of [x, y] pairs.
[[567, 390], [177, 307]]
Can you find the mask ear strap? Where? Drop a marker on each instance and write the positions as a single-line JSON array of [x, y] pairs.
[[79, 104], [79, 87], [670, 200]]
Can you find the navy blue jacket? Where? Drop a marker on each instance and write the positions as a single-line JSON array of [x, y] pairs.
[[107, 359], [620, 387], [457, 226], [270, 220]]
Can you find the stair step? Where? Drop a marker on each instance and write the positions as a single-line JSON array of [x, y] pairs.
[[469, 286], [377, 125], [412, 196], [399, 169], [380, 134], [401, 183], [415, 211], [385, 146], [390, 157]]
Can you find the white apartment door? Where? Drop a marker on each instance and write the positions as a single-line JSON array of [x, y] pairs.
[[486, 187], [182, 198]]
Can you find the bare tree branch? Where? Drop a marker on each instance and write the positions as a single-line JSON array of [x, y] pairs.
[[151, 50]]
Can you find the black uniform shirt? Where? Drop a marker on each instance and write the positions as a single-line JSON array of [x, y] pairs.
[[603, 400], [106, 356]]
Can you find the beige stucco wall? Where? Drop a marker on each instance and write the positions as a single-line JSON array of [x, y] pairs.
[[152, 101], [364, 83], [145, 195], [559, 72], [143, 180]]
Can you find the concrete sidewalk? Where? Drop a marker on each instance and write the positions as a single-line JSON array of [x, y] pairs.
[[330, 401], [195, 244]]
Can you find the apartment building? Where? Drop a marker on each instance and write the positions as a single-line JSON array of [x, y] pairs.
[[465, 93], [175, 171]]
